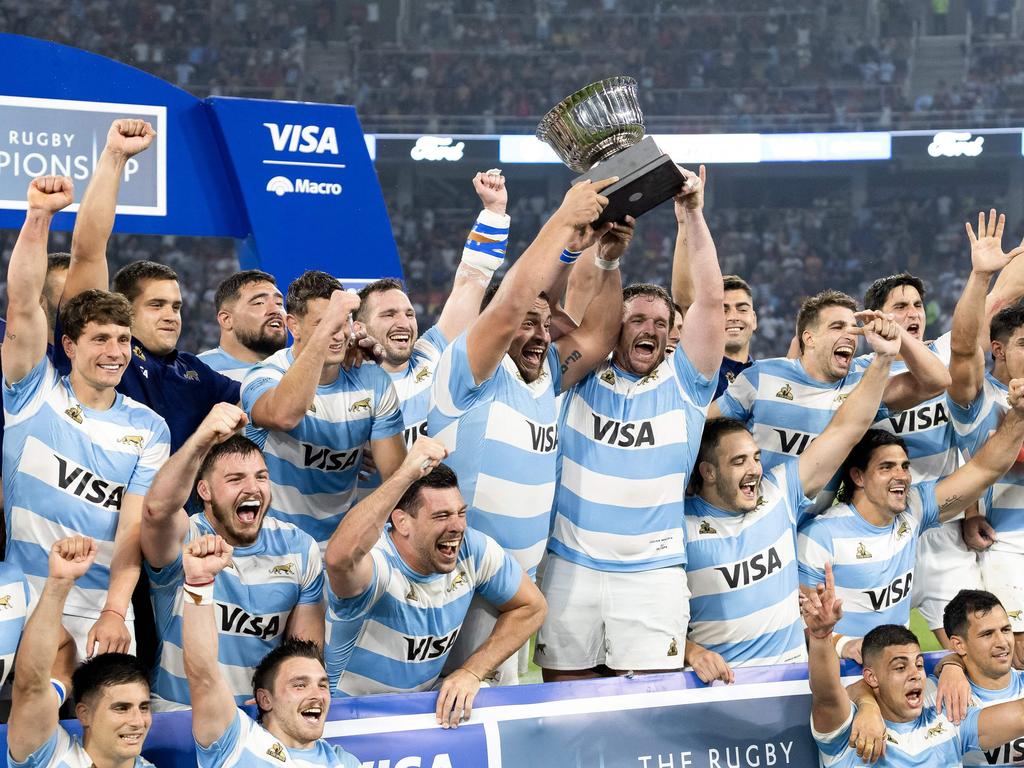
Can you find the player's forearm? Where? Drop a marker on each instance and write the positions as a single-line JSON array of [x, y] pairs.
[[968, 316], [582, 284], [925, 366], [363, 525], [823, 671], [703, 338], [283, 407], [603, 319], [125, 566], [858, 411], [95, 222], [1000, 451], [682, 280], [511, 632], [174, 480], [26, 273], [199, 644], [41, 638]]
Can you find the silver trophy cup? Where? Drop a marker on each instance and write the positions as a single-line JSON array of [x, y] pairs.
[[599, 132]]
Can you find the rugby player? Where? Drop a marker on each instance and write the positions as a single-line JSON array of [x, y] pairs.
[[111, 692], [250, 313], [740, 549], [978, 400], [628, 433], [871, 535], [495, 386], [312, 416], [787, 403], [396, 602], [79, 455], [916, 733], [290, 685], [273, 587], [175, 384]]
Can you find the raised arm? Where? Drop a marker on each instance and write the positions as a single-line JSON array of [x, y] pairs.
[[829, 450], [588, 345], [926, 375], [388, 454], [347, 558], [830, 704], [25, 342], [483, 254], [34, 703], [283, 406], [164, 520], [95, 220], [536, 270], [703, 338], [213, 705], [967, 356], [682, 278], [965, 486]]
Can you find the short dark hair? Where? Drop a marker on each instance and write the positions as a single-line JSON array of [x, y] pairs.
[[311, 284], [736, 283], [56, 261], [236, 445], [651, 291], [878, 292], [958, 611], [96, 306], [714, 431], [810, 310], [129, 279], [441, 476], [860, 456], [104, 670], [266, 670], [492, 289], [378, 286], [230, 288], [882, 636], [1005, 322]]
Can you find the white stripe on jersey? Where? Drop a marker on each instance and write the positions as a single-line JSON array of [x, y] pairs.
[[225, 364], [246, 744]]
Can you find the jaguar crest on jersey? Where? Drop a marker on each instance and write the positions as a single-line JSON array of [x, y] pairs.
[[132, 440], [360, 405], [459, 580], [903, 530], [935, 730], [191, 375], [137, 350], [287, 569], [1014, 614], [422, 374], [5, 601], [277, 752], [652, 376]]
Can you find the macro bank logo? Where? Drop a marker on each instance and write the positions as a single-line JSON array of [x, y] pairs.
[[281, 186]]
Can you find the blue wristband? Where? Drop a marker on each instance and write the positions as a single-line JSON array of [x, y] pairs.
[[569, 257]]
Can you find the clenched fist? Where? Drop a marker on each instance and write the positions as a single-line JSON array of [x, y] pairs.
[[50, 194], [129, 137]]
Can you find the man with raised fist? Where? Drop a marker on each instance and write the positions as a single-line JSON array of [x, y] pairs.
[[290, 684], [79, 455], [111, 692], [273, 588]]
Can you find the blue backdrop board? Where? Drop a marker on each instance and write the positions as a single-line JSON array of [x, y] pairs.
[[654, 721], [291, 179]]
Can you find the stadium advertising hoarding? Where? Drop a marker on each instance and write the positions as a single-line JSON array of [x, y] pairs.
[[64, 138]]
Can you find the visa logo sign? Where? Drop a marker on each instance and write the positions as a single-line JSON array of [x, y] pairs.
[[440, 761], [308, 139]]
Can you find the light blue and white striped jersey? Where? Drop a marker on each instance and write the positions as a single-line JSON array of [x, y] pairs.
[[784, 408], [626, 445], [66, 471], [926, 428], [1003, 503], [502, 440], [1011, 753], [247, 744], [254, 595], [930, 741], [873, 565], [412, 386], [15, 598], [62, 750], [395, 636], [313, 468], [225, 364], [742, 573]]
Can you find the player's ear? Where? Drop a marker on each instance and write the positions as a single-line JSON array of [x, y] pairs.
[[203, 489], [998, 350], [292, 322], [857, 475], [870, 678], [401, 521], [707, 471], [263, 700]]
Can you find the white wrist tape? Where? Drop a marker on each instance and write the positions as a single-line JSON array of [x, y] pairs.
[[201, 594], [607, 264], [485, 246]]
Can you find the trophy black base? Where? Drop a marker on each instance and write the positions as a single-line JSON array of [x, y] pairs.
[[647, 178]]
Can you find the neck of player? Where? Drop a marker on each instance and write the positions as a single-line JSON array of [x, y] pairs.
[[874, 514], [279, 733], [103, 761], [94, 396], [239, 351], [738, 354], [990, 683]]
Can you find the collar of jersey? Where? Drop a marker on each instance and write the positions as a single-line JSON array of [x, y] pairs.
[[167, 359], [996, 382], [404, 566], [996, 693], [707, 509], [66, 380], [203, 522], [872, 526]]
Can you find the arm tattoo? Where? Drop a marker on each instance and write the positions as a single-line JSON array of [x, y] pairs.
[[572, 358], [949, 502]]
